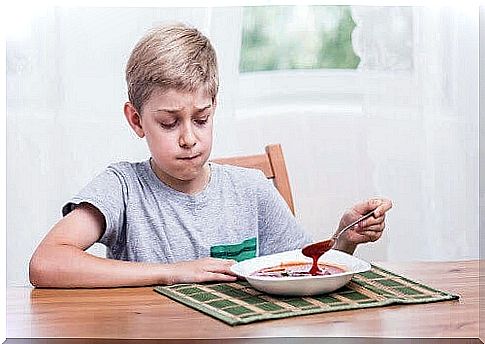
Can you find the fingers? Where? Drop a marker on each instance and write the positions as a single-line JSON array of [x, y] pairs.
[[371, 221], [203, 270], [371, 235], [220, 277], [371, 224], [370, 229], [379, 205], [210, 276], [216, 269], [365, 206], [218, 265], [385, 205], [374, 228]]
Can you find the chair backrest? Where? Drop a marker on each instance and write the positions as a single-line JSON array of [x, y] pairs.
[[272, 163]]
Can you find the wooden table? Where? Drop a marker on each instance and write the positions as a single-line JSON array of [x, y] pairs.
[[130, 313]]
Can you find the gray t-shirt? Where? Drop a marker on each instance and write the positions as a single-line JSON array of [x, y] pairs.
[[238, 215]]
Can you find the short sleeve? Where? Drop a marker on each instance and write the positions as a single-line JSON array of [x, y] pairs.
[[107, 193], [278, 228]]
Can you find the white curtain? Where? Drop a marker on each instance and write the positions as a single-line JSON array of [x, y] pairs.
[[417, 143]]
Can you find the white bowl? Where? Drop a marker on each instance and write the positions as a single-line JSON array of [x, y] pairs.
[[304, 285]]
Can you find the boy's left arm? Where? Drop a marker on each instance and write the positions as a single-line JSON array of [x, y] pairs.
[[368, 230]]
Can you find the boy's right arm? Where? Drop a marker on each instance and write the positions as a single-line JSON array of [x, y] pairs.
[[60, 260]]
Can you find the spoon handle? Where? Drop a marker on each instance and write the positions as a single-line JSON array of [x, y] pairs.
[[353, 224]]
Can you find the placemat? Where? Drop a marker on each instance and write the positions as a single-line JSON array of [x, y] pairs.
[[238, 303]]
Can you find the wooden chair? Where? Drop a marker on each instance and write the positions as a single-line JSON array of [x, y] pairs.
[[273, 166]]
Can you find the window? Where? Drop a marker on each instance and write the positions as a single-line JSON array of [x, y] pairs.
[[297, 37], [272, 61]]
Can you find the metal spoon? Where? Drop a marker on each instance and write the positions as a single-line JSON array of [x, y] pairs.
[[316, 250]]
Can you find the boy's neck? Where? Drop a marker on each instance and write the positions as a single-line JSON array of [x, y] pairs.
[[190, 187]]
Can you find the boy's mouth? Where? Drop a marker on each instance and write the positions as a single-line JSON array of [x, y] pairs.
[[189, 157]]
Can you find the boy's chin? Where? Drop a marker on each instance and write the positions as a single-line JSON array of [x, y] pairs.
[[186, 177], [190, 174]]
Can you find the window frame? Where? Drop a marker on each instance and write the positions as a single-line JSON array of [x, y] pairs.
[[312, 91]]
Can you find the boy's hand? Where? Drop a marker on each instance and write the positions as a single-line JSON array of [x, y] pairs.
[[368, 230], [202, 270]]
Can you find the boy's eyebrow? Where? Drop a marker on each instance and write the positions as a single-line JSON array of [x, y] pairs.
[[175, 110]]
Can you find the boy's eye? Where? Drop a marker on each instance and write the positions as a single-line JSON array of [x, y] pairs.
[[201, 121], [169, 125]]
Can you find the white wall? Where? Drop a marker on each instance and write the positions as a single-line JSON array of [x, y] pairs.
[[65, 93]]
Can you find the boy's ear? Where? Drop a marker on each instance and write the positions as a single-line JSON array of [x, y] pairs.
[[134, 119]]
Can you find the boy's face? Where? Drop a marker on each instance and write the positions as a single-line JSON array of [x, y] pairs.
[[178, 129]]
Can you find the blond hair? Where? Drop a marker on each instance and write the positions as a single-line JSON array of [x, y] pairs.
[[172, 56]]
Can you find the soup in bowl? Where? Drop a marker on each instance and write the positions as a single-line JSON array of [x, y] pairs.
[[287, 273]]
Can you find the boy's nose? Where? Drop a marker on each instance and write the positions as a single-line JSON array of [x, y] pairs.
[[187, 138]]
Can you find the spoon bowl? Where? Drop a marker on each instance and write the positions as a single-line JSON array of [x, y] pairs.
[[315, 251]]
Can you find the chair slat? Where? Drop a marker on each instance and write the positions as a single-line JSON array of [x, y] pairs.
[[272, 163]]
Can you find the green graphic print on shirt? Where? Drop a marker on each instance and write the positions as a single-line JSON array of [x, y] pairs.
[[238, 252]]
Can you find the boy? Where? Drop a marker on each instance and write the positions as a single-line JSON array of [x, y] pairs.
[[165, 219]]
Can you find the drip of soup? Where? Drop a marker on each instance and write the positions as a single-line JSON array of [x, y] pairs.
[[298, 269]]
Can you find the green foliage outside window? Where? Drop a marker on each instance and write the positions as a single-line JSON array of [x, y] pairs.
[[297, 37]]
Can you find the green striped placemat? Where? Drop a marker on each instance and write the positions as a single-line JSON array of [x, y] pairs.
[[238, 303]]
